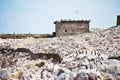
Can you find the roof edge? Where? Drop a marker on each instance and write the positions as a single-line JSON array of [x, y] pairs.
[[71, 21]]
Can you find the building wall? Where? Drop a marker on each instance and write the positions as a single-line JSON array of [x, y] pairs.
[[71, 27], [118, 20]]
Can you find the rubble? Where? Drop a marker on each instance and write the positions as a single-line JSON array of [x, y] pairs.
[[89, 56]]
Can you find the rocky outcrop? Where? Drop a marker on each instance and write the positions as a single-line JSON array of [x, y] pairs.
[[89, 56]]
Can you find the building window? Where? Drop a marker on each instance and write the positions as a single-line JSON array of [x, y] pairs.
[[65, 30]]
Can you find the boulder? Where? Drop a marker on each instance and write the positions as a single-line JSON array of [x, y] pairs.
[[82, 76], [92, 76], [4, 74]]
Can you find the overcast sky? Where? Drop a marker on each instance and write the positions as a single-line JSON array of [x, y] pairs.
[[37, 16]]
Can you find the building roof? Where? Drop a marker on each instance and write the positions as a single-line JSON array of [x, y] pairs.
[[71, 21]]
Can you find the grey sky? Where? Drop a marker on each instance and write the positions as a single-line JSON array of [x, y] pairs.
[[37, 16]]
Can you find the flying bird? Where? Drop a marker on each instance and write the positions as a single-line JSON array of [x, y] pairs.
[[77, 12]]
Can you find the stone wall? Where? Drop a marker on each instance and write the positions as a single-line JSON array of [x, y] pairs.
[[71, 27]]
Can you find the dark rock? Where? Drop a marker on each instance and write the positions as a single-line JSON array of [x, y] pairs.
[[56, 57], [82, 76], [92, 76], [60, 71]]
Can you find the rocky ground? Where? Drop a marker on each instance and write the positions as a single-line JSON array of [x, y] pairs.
[[89, 56]]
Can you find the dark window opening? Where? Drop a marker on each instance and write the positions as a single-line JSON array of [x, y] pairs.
[[65, 30]]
